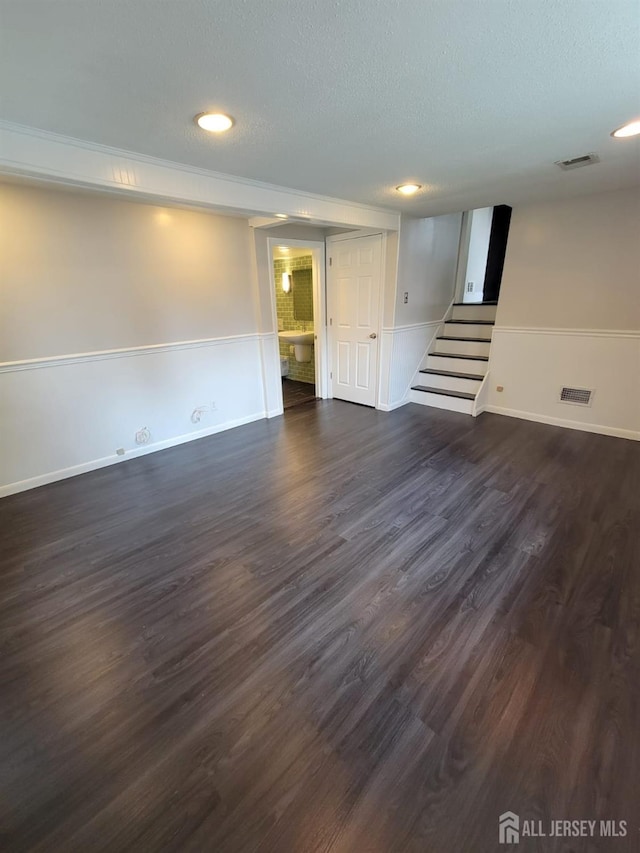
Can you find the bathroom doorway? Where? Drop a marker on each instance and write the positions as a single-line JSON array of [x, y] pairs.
[[298, 299]]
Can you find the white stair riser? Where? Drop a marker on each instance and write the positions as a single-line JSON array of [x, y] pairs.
[[463, 347], [438, 401], [474, 312], [459, 365], [466, 330], [450, 383]]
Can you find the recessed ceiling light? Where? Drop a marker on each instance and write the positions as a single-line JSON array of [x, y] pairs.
[[409, 189], [632, 128], [214, 122], [281, 216]]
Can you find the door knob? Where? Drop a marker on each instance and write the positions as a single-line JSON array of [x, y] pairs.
[[373, 336]]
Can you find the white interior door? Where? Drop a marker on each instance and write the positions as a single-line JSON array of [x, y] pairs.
[[353, 297]]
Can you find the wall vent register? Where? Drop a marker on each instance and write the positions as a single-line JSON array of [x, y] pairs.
[[577, 396]]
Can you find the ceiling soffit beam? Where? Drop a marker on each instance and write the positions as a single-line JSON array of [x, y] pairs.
[[39, 154]]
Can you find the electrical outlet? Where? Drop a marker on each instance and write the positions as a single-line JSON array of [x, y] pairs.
[[120, 451], [470, 286], [406, 297], [214, 408]]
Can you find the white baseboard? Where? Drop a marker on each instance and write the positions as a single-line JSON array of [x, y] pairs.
[[95, 464], [562, 422], [389, 407]]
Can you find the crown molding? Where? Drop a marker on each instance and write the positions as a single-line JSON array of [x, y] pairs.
[[33, 153]]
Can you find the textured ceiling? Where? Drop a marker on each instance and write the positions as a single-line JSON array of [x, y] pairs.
[[475, 99]]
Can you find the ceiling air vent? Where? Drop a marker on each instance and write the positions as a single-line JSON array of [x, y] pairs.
[[576, 396], [577, 162]]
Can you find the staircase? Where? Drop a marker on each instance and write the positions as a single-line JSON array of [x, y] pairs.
[[458, 362]]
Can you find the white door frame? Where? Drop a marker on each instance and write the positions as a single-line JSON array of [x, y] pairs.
[[353, 235], [317, 249]]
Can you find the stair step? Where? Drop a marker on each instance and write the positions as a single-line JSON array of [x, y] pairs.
[[473, 304], [473, 322], [474, 312], [438, 398], [470, 340], [462, 395], [459, 355], [477, 365], [453, 374], [464, 346], [476, 330], [447, 379]]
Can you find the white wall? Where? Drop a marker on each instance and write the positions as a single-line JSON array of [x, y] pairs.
[[574, 264], [390, 273], [478, 250], [427, 256], [569, 313], [115, 316]]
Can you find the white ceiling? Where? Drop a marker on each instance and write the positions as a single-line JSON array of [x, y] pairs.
[[475, 99]]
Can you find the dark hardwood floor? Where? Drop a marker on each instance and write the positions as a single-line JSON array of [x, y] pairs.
[[341, 630], [295, 393]]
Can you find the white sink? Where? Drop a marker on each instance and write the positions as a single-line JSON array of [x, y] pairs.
[[301, 341], [296, 336]]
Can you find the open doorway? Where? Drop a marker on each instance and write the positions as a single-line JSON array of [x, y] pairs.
[[298, 302], [483, 247]]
